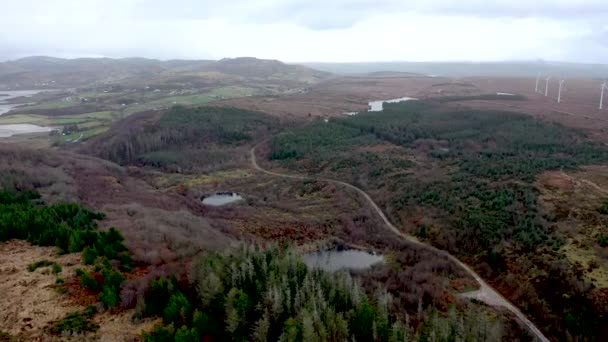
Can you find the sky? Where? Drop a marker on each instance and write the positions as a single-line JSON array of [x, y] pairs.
[[308, 30]]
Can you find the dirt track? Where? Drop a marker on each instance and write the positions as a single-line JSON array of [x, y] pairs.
[[486, 293]]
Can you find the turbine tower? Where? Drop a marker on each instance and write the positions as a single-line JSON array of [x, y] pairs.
[[537, 80], [547, 86], [559, 92], [602, 95]]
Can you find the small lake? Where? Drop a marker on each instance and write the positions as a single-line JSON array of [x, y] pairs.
[[335, 260], [377, 106], [10, 130], [222, 198], [11, 94]]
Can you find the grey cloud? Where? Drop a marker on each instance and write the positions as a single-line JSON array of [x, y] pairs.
[[331, 14], [299, 30]]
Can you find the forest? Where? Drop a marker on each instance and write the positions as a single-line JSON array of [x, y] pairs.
[[72, 229], [183, 139], [479, 202], [247, 293], [254, 294]]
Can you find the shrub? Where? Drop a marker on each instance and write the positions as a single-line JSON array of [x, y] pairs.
[[42, 263], [90, 310], [88, 281], [6, 337], [178, 310], [157, 296], [603, 209], [422, 231], [112, 278], [74, 323], [126, 262], [56, 268], [184, 334], [159, 334], [109, 297], [202, 324], [59, 281], [89, 255], [75, 244]]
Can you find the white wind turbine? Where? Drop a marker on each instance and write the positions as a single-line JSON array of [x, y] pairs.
[[559, 92], [602, 95], [547, 86], [537, 80]]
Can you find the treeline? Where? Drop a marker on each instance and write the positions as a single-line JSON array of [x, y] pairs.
[[489, 144], [484, 97], [480, 147], [178, 129], [318, 141], [251, 294], [72, 229], [67, 226], [244, 294]]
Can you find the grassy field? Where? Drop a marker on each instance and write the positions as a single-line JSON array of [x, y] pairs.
[[93, 123], [153, 101]]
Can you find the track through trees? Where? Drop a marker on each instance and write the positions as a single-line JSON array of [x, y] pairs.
[[485, 293]]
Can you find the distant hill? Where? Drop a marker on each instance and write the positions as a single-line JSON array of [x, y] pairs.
[[50, 72], [264, 68], [465, 69]]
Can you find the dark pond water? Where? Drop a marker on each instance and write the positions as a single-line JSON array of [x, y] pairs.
[[377, 106], [221, 198], [334, 260]]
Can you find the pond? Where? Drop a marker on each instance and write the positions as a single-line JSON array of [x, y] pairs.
[[334, 260], [377, 106], [221, 198], [10, 130]]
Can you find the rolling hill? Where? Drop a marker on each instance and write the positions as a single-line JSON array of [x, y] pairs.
[[50, 72]]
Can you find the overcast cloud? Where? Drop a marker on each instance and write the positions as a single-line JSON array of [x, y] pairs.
[[308, 30]]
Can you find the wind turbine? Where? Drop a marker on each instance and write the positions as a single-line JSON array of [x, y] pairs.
[[602, 95], [537, 80], [547, 86], [559, 92]]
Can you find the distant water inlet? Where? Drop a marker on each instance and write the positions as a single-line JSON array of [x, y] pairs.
[[7, 95], [10, 130], [221, 198], [334, 260]]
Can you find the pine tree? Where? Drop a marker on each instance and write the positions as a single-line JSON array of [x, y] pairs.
[[109, 297], [89, 255], [178, 310], [184, 334], [76, 244], [261, 328]]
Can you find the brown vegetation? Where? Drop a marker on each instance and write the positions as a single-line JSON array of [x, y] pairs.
[[335, 97], [154, 198]]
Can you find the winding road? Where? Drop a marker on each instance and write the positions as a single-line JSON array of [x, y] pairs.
[[486, 293]]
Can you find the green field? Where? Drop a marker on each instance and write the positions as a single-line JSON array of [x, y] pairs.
[[93, 123], [53, 121], [191, 100]]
